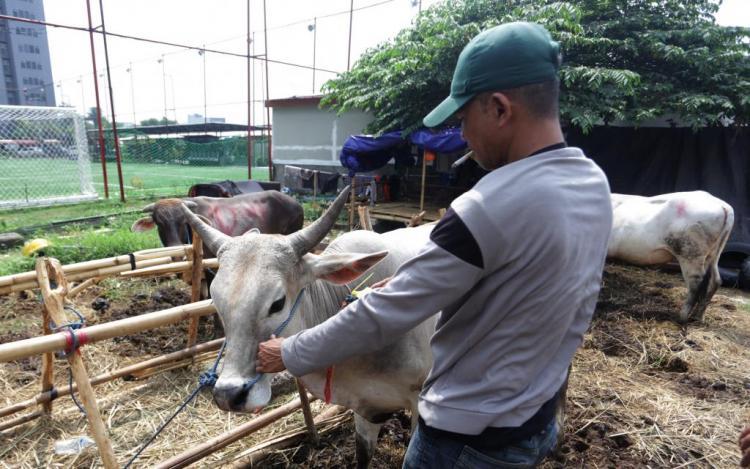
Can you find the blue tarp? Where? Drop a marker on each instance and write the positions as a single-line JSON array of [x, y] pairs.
[[362, 153], [443, 141]]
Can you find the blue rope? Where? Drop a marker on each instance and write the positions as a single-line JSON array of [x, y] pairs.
[[71, 327], [208, 379]]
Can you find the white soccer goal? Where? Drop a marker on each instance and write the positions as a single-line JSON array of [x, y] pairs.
[[44, 157]]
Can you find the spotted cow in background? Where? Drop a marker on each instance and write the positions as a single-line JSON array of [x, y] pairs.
[[690, 227], [271, 212]]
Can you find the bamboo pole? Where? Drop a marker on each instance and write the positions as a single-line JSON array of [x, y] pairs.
[[20, 420], [196, 275], [307, 413], [82, 286], [155, 370], [53, 299], [86, 274], [174, 267], [112, 375], [48, 366], [122, 327], [173, 251], [227, 438], [364, 217], [328, 420]]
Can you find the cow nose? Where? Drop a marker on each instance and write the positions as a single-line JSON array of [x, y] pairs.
[[231, 397]]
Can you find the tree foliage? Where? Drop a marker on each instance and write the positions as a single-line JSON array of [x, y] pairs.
[[623, 60]]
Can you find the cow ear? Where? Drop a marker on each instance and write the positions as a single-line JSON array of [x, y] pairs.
[[341, 268], [144, 224], [251, 231]]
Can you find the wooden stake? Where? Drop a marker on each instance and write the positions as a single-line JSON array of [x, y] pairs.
[[424, 177], [48, 366], [53, 299], [315, 186], [196, 271], [225, 439], [364, 217], [352, 201], [309, 422]]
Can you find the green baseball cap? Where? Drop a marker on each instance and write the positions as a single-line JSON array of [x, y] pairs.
[[504, 57]]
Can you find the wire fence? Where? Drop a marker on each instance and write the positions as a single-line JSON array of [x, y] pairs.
[[43, 157], [169, 165]]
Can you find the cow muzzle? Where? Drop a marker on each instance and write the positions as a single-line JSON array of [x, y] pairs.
[[239, 395]]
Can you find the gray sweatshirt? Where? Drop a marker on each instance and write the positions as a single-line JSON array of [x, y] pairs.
[[514, 269]]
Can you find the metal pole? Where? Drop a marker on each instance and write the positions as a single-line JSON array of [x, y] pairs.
[[132, 94], [118, 158], [268, 96], [315, 41], [349, 50], [205, 102], [249, 98], [83, 96], [102, 149], [164, 84]]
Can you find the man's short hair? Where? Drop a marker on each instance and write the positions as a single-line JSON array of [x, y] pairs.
[[542, 100]]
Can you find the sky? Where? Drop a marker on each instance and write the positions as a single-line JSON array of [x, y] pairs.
[[142, 83]]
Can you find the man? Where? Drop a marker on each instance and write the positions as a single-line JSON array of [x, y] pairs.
[[525, 249]]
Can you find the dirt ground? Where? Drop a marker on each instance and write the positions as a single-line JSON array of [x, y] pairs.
[[644, 391]]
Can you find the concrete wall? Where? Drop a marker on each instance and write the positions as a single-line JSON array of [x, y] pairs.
[[307, 136]]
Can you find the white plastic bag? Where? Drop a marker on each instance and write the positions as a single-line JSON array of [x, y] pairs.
[[73, 445]]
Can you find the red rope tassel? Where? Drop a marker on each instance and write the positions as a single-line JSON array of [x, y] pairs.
[[329, 383]]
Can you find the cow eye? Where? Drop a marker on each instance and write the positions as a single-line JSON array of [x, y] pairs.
[[277, 305]]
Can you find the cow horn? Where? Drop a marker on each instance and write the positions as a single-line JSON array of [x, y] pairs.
[[149, 208], [190, 204], [212, 237], [304, 240]]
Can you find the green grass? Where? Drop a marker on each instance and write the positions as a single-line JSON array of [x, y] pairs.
[[34, 178], [79, 243]]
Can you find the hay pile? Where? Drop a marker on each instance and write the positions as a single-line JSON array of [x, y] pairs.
[[644, 391]]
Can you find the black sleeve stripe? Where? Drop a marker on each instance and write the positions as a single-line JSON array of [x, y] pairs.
[[452, 235]]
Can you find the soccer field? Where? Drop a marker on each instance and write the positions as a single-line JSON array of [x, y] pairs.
[[37, 178]]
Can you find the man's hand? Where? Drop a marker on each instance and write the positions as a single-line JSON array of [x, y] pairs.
[[745, 447], [269, 356], [381, 283]]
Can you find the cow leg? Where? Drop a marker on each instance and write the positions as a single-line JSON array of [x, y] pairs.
[[366, 440], [697, 281], [560, 413]]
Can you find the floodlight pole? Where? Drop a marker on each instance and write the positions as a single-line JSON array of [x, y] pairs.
[[112, 107], [249, 100], [268, 96], [102, 149]]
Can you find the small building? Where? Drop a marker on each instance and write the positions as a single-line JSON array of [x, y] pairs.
[[305, 135]]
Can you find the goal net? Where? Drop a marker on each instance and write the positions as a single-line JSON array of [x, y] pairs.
[[44, 157]]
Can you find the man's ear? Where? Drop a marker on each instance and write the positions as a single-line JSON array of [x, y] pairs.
[[340, 268], [143, 224], [501, 108]]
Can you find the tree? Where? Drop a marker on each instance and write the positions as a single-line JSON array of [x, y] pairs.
[[630, 60], [162, 121]]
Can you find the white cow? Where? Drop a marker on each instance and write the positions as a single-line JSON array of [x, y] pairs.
[[259, 278], [690, 227]]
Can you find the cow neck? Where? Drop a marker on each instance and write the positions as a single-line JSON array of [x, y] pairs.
[[321, 301]]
